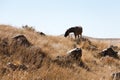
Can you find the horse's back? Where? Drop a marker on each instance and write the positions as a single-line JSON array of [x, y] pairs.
[[78, 29]]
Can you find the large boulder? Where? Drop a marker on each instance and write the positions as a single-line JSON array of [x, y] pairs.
[[75, 53], [20, 40], [109, 52], [72, 59]]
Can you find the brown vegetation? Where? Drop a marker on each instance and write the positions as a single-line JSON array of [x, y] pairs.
[[38, 60]]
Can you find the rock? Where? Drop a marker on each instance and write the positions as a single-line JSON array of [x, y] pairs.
[[21, 40], [22, 67], [109, 52], [75, 53], [115, 76], [73, 57], [41, 33], [12, 66]]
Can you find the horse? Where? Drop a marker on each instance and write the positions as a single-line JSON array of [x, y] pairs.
[[77, 30]]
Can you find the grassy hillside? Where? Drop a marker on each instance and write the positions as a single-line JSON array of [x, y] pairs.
[[40, 57]]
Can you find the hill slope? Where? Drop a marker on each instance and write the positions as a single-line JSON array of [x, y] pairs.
[[39, 58]]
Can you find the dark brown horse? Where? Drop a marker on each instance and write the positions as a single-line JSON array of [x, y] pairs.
[[77, 30]]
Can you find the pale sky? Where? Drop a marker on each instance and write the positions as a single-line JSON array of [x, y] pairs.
[[99, 18]]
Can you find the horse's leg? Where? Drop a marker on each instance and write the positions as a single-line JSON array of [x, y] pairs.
[[81, 37], [75, 35], [78, 36], [77, 39]]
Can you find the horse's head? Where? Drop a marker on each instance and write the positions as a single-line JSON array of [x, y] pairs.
[[66, 33]]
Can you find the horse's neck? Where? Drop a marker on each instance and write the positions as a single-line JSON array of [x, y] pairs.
[[71, 30]]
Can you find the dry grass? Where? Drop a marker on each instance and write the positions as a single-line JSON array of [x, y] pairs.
[[51, 47]]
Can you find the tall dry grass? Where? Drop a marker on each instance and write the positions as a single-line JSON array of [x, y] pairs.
[[51, 47]]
